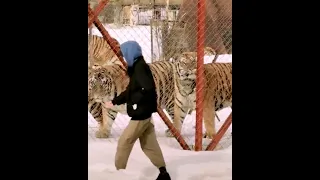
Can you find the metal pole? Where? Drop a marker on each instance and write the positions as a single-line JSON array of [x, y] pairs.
[[200, 74]]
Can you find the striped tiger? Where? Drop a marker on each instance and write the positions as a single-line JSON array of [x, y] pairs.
[[217, 90], [100, 51], [104, 83]]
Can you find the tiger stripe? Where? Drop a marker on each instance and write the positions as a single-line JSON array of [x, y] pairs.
[[104, 83], [217, 90], [102, 54]]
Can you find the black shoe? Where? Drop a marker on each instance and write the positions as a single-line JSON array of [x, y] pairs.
[[164, 176]]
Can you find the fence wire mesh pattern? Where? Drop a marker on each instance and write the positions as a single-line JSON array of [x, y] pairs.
[[188, 45]]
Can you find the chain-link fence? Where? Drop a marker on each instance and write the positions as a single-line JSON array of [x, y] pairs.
[[180, 39]]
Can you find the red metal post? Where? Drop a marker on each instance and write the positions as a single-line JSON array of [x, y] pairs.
[[106, 36], [116, 49], [97, 11], [200, 73], [173, 130], [213, 144]]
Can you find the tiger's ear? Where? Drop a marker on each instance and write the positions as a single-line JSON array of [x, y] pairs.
[[209, 51]]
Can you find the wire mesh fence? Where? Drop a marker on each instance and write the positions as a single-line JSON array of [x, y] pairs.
[[168, 32]]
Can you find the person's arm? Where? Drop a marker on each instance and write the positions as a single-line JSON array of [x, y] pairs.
[[121, 99]]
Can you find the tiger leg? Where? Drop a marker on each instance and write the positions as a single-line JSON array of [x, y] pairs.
[[209, 122], [108, 117], [180, 112], [99, 118], [95, 110], [170, 110]]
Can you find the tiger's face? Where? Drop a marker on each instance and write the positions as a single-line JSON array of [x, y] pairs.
[[100, 85], [186, 66]]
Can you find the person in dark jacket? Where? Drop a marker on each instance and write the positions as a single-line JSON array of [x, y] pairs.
[[141, 98]]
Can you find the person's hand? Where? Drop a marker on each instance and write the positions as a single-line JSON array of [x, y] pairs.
[[108, 104]]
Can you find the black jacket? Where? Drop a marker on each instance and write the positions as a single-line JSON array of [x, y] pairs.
[[140, 91]]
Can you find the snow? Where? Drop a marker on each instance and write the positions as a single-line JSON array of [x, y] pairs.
[[181, 164]]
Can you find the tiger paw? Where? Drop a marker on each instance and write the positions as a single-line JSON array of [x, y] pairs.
[[209, 135], [100, 134]]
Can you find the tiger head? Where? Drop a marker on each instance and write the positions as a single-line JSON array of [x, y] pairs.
[[186, 68], [100, 84], [187, 64]]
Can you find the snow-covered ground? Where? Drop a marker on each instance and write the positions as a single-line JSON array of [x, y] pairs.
[[182, 165]]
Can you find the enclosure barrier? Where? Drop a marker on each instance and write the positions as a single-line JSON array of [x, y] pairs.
[[200, 74], [100, 7], [107, 37], [220, 133], [197, 25], [104, 32]]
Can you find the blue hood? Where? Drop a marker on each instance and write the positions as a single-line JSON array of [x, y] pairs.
[[130, 51]]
